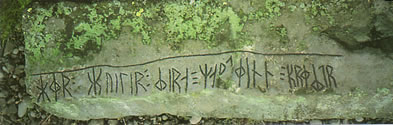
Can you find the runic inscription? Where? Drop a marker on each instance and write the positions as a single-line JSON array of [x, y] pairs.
[[245, 72]]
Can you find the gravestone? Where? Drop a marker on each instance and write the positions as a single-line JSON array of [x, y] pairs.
[[86, 63]]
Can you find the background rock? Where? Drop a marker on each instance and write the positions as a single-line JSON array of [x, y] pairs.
[[22, 109], [366, 26]]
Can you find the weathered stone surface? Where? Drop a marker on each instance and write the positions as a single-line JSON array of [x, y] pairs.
[[369, 24], [22, 108], [96, 66]]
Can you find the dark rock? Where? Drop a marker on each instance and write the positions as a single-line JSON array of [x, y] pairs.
[[11, 101], [383, 26], [3, 94], [368, 26], [22, 82], [19, 69], [1, 76], [316, 122], [353, 29], [2, 104], [96, 122], [334, 122], [15, 51], [21, 48], [11, 109], [113, 122], [32, 114]]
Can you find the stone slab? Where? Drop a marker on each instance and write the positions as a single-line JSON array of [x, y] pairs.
[[264, 80]]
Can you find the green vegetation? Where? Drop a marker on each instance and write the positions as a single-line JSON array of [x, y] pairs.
[[88, 32], [213, 22], [37, 39], [10, 17], [273, 8], [383, 91], [85, 30], [91, 24], [324, 11], [139, 25], [271, 11], [200, 21], [282, 32]]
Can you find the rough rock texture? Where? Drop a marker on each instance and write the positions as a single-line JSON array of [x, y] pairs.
[[369, 24]]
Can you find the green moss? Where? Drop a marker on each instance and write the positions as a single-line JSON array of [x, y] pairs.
[[224, 84], [301, 46], [273, 8], [63, 9], [383, 91], [95, 30], [199, 22], [324, 11], [139, 25], [234, 21], [36, 39], [10, 15], [315, 28], [292, 8], [282, 32], [43, 46]]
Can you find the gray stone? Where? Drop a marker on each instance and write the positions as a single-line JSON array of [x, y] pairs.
[[290, 123], [11, 100], [384, 18], [1, 76], [366, 27], [19, 69], [11, 109], [134, 122], [383, 26], [22, 82], [22, 108], [5, 69], [334, 122], [164, 117], [159, 119], [32, 114], [154, 120], [147, 122], [353, 29], [2, 104], [168, 123], [316, 122], [345, 121], [15, 51], [96, 122], [3, 94], [359, 119], [195, 119], [21, 48], [113, 122], [9, 47]]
